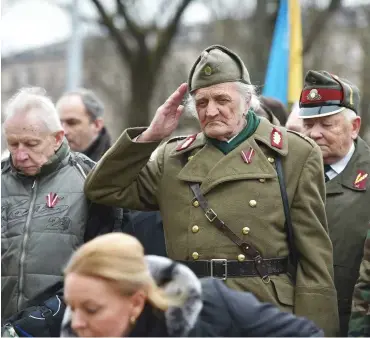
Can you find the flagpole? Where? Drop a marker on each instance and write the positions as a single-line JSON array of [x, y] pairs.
[[75, 50]]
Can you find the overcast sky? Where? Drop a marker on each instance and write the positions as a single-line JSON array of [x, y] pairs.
[[31, 23]]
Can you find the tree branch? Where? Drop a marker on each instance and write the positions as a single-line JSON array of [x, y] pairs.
[[131, 25], [115, 33], [166, 36], [319, 23]]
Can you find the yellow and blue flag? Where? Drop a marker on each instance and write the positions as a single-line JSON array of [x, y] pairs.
[[284, 71]]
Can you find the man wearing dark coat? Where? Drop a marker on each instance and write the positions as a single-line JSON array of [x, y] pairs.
[[329, 108], [81, 114]]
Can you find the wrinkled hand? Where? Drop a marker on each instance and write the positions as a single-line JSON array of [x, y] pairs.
[[166, 118]]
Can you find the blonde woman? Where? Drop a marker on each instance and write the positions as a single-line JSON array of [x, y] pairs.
[[112, 289]]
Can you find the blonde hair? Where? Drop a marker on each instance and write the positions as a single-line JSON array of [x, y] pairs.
[[34, 99], [119, 259]]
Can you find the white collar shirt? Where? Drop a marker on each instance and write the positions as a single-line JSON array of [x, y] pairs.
[[339, 166]]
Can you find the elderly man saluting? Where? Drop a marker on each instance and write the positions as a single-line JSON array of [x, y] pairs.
[[219, 193], [328, 108]]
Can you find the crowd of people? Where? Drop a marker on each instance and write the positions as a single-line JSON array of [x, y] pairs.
[[255, 226]]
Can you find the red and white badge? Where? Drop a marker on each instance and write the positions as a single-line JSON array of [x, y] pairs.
[[189, 140], [276, 138], [361, 179], [52, 199], [247, 156]]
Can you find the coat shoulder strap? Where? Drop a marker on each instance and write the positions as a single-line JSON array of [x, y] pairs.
[[293, 254]]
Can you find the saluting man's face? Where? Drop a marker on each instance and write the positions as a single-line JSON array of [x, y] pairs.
[[333, 134], [221, 110]]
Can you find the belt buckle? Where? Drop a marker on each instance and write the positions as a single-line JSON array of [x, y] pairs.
[[211, 215], [224, 263]]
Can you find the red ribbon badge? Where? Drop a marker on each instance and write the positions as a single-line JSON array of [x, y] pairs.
[[52, 199], [276, 138], [361, 179], [189, 140], [247, 155]]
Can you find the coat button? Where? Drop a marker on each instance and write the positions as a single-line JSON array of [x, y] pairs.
[[195, 255], [271, 159], [241, 258], [190, 157], [245, 230], [262, 180], [195, 229], [196, 204], [252, 203]]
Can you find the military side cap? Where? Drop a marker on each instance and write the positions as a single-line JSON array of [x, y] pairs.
[[326, 94], [217, 64]]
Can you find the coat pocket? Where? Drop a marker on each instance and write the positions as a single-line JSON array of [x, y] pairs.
[[284, 292]]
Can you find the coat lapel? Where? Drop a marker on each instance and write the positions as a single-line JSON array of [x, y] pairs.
[[357, 168], [334, 186], [358, 164], [200, 158], [210, 167]]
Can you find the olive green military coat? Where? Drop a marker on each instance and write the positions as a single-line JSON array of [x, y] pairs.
[[348, 214], [243, 195]]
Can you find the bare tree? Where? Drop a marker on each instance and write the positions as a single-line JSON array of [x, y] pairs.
[[321, 18], [142, 47], [249, 28], [364, 24]]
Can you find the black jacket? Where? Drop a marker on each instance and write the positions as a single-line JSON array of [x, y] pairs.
[[211, 309], [147, 227], [98, 148], [230, 313]]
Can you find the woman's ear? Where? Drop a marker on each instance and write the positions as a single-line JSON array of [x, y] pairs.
[[138, 300]]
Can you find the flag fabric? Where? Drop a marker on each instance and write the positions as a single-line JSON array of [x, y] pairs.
[[284, 71], [295, 52]]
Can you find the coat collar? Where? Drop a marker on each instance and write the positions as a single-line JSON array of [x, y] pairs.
[[52, 165], [262, 134], [99, 146], [210, 167], [359, 163]]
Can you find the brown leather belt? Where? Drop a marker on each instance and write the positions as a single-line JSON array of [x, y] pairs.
[[223, 268]]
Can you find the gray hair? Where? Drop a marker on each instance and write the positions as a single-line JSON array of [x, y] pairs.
[[34, 99], [93, 105], [247, 91], [349, 114]]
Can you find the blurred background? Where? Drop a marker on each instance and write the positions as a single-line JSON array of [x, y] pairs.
[[134, 53]]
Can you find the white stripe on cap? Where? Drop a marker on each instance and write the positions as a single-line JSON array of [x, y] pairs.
[[322, 115]]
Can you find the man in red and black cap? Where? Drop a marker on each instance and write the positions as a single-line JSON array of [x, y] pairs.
[[329, 108]]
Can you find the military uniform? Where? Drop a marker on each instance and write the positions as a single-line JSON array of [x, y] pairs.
[[359, 324], [242, 188], [348, 213], [348, 193]]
